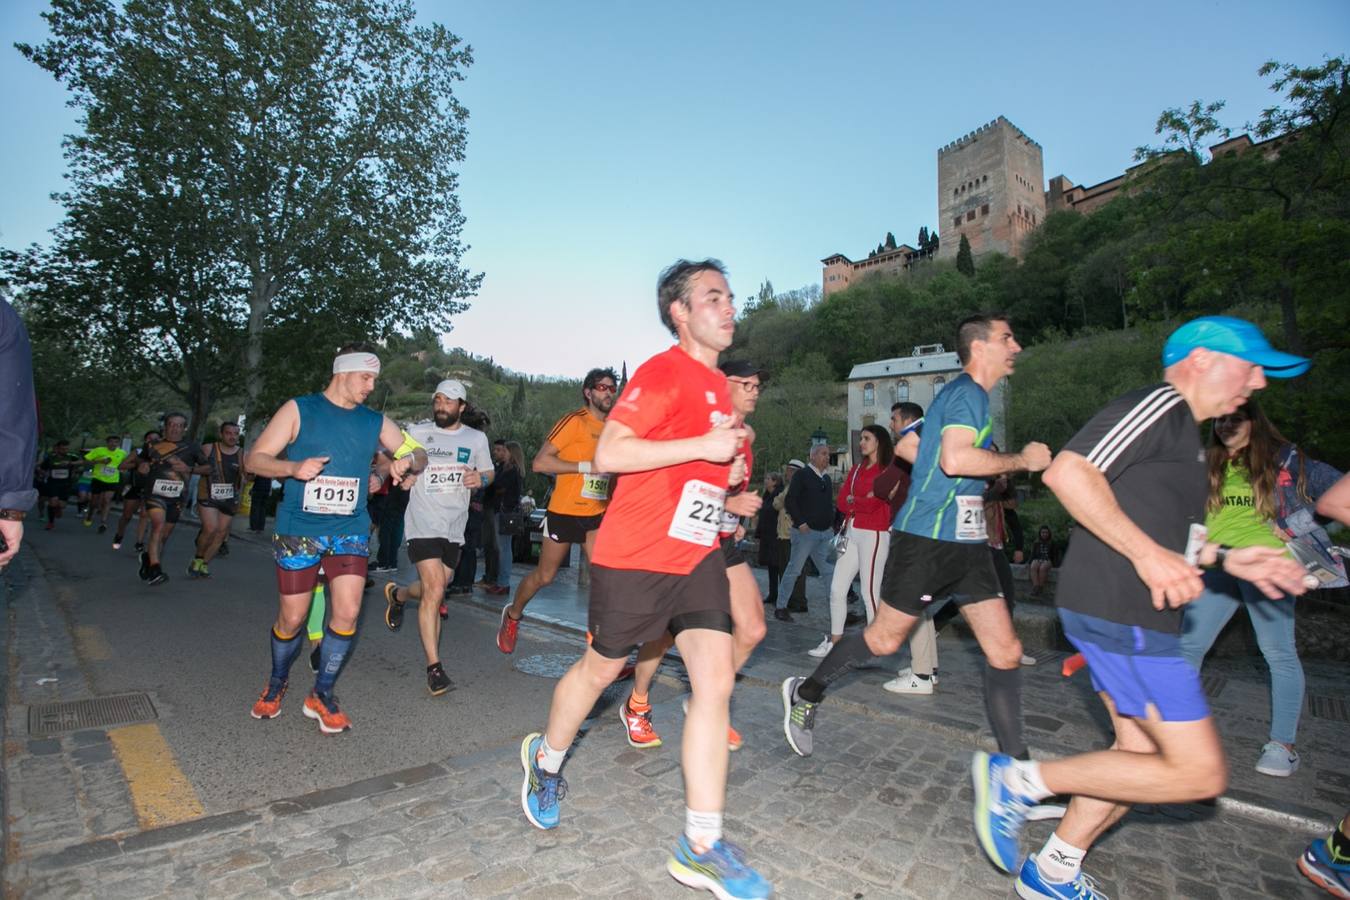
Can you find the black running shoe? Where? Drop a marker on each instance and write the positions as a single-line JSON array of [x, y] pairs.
[[158, 576], [102, 529], [224, 549], [437, 681], [145, 565], [393, 612], [140, 547]]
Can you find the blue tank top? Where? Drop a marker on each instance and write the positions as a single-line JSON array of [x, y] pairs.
[[939, 506], [350, 438]]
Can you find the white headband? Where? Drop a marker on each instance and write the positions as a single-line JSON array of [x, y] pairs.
[[356, 362]]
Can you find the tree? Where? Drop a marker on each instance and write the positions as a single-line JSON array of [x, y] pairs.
[[890, 241], [923, 238], [273, 178], [965, 261]]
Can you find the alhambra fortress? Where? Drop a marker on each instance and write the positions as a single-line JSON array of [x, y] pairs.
[[990, 189]]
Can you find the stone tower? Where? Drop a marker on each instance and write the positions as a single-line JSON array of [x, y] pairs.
[[991, 188]]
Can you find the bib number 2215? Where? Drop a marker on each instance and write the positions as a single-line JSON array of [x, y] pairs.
[[698, 517]]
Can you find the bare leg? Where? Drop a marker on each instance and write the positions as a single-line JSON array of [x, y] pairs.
[[707, 656], [433, 576]]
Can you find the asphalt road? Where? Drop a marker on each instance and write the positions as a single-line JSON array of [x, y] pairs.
[[200, 649]]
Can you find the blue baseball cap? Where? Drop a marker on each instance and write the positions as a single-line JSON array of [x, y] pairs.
[[1236, 337]]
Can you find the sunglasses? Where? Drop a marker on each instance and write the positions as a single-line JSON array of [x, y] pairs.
[[750, 387], [606, 388]]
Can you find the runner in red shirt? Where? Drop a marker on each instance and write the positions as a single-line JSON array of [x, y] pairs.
[[657, 568]]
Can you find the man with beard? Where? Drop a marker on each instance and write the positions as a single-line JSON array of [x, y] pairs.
[[579, 495], [172, 460], [460, 462], [329, 439], [217, 497]]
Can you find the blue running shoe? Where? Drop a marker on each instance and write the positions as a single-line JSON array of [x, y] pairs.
[[1324, 870], [999, 813], [721, 869], [541, 791], [1031, 885]]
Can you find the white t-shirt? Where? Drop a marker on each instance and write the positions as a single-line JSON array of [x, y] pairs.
[[439, 504]]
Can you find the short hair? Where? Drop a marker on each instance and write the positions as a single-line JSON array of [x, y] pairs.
[[975, 328], [673, 285], [227, 424], [113, 437], [174, 415], [146, 436], [907, 409], [356, 347], [593, 378]]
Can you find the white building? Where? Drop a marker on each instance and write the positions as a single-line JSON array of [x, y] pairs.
[[874, 386]]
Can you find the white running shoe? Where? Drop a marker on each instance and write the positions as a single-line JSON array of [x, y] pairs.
[[1028, 660], [909, 683], [822, 649]]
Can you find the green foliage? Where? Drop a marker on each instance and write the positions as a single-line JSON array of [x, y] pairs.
[[965, 260]]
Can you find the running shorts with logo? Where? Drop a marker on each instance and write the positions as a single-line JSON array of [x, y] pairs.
[[655, 565], [920, 570], [1137, 667], [422, 549], [565, 529], [579, 494], [298, 558]]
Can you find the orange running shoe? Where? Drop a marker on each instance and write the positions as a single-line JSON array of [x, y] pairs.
[[638, 728], [331, 719], [733, 738], [269, 702]]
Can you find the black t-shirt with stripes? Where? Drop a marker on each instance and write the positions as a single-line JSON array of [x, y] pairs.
[[1147, 444]]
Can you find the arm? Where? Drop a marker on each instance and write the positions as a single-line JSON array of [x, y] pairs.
[[792, 503], [621, 450], [908, 448], [393, 439], [1087, 496], [959, 457], [1335, 503], [547, 462], [279, 433]]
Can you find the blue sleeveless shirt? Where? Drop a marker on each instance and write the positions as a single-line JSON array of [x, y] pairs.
[[350, 438]]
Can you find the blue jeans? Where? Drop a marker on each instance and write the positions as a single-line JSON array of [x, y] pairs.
[[504, 559], [1273, 621], [816, 545]]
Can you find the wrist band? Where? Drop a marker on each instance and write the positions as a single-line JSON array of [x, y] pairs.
[[584, 467], [1221, 554]]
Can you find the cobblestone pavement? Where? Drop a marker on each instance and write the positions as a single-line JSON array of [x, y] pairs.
[[881, 810]]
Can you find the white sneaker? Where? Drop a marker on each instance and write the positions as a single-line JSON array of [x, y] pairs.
[[909, 683], [1278, 760], [821, 649], [1028, 660]]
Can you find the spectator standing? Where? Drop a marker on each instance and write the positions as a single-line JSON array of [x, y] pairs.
[[18, 431], [766, 532], [504, 499], [810, 502]]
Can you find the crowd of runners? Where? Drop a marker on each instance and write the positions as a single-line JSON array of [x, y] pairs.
[[652, 479]]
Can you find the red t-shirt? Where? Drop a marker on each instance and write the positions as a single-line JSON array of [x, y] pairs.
[[671, 396], [867, 511]]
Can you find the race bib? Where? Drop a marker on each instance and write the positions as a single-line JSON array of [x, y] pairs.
[[970, 518], [730, 522], [329, 495], [444, 478], [167, 488], [595, 486], [106, 471], [222, 492], [698, 517], [60, 474]]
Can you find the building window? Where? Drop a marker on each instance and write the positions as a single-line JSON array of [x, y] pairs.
[[869, 394], [902, 391], [970, 216], [938, 383], [957, 222], [984, 210]]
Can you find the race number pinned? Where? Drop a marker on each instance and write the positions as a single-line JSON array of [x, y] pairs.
[[970, 518], [595, 486], [104, 471], [330, 495], [167, 488], [59, 474], [445, 478], [222, 492], [698, 517]]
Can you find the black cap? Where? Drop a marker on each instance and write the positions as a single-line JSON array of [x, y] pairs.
[[742, 368]]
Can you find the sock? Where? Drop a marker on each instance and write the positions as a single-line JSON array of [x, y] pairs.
[[317, 606], [332, 653], [1025, 778], [703, 829], [636, 705], [1338, 842], [922, 677], [850, 653], [548, 759], [1003, 706], [1060, 861], [284, 652], [51, 515]]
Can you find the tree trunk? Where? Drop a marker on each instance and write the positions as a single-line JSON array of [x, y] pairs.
[[260, 297]]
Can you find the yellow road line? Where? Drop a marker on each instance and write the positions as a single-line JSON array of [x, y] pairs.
[[160, 791]]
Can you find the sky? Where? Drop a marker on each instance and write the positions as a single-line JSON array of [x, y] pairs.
[[608, 139]]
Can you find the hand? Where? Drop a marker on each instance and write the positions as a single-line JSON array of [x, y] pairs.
[[737, 475], [745, 503], [1018, 556], [12, 532], [1035, 457], [375, 482], [1171, 580], [804, 528], [740, 533], [408, 482], [308, 468], [177, 465], [473, 479], [143, 468], [1269, 569], [721, 443], [399, 467]]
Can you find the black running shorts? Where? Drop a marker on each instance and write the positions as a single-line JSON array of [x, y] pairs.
[[421, 549], [172, 508], [731, 551], [631, 606], [920, 570], [565, 529]]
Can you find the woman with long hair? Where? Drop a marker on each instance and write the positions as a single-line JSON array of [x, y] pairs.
[[505, 496], [1262, 490], [766, 532], [867, 530]]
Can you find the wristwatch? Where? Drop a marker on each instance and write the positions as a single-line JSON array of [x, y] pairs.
[[13, 515]]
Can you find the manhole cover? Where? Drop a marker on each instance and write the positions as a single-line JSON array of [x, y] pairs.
[[100, 712], [1324, 707]]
